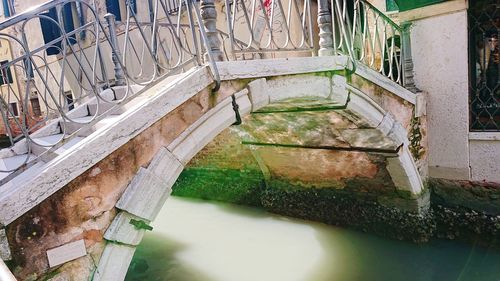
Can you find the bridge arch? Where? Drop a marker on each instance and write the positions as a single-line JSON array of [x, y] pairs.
[[147, 192], [132, 164]]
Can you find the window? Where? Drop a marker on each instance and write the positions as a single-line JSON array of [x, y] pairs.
[[51, 32], [484, 65], [8, 8], [13, 108], [35, 106], [69, 100], [5, 73], [119, 8]]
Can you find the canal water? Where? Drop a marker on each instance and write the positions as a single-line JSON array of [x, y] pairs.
[[205, 241]]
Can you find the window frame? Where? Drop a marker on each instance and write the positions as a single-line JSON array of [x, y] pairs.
[[5, 72], [14, 108]]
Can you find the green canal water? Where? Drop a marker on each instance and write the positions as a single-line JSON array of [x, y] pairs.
[[206, 241]]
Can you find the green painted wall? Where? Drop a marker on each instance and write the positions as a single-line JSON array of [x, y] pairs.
[[391, 5], [405, 5]]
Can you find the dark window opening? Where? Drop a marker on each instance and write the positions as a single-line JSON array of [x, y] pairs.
[[5, 73], [69, 100], [13, 108], [35, 106], [113, 7], [51, 31], [484, 65]]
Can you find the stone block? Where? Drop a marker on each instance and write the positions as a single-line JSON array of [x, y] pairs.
[[165, 166], [122, 231], [363, 106], [404, 172], [245, 69], [398, 134], [204, 130], [340, 94], [368, 139], [297, 86], [387, 123], [114, 262], [258, 92], [4, 246], [145, 195], [66, 253]]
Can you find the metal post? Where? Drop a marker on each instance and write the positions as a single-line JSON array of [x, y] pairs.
[[325, 29], [116, 55], [209, 18], [408, 81]]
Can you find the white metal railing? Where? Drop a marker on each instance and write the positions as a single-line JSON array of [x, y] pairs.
[[368, 36], [84, 53], [269, 26], [79, 57]]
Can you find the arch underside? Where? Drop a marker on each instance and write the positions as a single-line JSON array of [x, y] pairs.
[[301, 133]]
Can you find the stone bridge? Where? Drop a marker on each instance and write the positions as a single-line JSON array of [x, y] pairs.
[[334, 138], [83, 212]]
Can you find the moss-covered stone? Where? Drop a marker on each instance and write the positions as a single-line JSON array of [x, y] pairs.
[[481, 196], [467, 225], [231, 186]]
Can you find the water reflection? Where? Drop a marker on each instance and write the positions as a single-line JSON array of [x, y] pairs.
[[201, 241]]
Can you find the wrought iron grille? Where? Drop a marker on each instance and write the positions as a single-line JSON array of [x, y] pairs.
[[484, 58]]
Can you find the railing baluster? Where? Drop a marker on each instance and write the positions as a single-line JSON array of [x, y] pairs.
[[325, 29], [116, 55], [209, 17], [406, 58]]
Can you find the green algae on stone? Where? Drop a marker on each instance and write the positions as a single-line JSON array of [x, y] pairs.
[[231, 186], [140, 224]]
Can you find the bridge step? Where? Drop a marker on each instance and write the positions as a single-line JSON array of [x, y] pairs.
[[100, 108], [23, 178], [71, 127], [9, 163]]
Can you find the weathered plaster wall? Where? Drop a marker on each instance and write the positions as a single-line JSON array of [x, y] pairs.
[[439, 46], [485, 159]]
